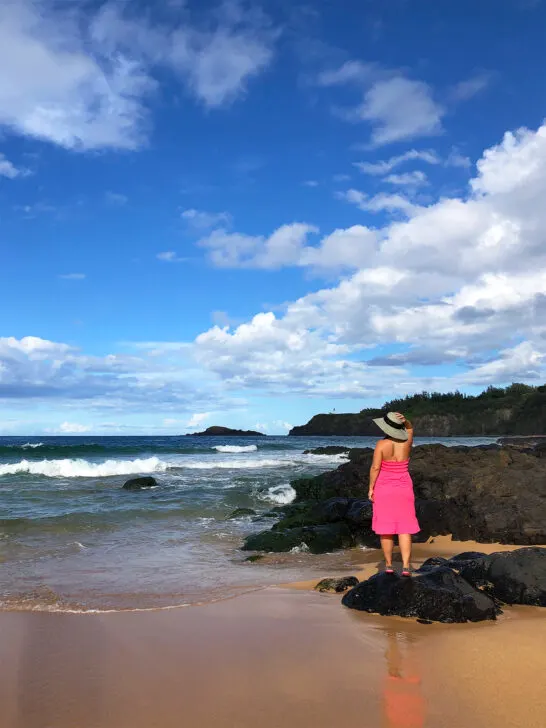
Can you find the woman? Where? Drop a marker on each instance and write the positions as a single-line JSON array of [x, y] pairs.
[[391, 489]]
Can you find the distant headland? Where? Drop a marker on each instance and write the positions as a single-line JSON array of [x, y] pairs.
[[216, 431], [515, 410]]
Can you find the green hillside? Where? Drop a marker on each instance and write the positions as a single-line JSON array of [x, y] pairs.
[[515, 410]]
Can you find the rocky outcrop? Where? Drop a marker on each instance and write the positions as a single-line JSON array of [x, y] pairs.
[[140, 483], [216, 431], [468, 587], [488, 494], [516, 410]]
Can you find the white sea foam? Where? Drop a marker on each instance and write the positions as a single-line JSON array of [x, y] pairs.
[[83, 469], [339, 458], [32, 445], [303, 548], [235, 448], [235, 464], [281, 494]]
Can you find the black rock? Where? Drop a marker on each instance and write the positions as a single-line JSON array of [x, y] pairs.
[[512, 577], [317, 539], [337, 585], [140, 483], [439, 595], [241, 512]]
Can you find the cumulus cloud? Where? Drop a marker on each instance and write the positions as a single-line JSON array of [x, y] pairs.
[[461, 281], [82, 79], [288, 246]]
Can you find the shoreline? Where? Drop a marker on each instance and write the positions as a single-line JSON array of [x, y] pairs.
[[359, 562]]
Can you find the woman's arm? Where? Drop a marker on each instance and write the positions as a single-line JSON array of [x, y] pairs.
[[376, 467], [409, 428]]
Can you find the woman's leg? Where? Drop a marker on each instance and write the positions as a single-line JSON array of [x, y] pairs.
[[387, 544], [404, 539]]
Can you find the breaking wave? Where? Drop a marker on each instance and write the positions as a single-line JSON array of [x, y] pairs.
[[84, 469], [281, 494], [235, 448]]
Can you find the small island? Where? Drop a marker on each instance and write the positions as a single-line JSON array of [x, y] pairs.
[[216, 431]]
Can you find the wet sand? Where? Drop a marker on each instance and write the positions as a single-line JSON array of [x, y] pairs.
[[277, 657]]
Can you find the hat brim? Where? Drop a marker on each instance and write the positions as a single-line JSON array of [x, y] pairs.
[[391, 431]]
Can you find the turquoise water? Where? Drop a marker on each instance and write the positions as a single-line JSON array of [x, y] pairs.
[[72, 538]]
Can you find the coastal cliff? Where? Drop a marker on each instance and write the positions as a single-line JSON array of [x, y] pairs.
[[515, 410]]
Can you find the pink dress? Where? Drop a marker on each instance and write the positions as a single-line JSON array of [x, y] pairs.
[[394, 502]]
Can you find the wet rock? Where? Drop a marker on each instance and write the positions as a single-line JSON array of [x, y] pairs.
[[328, 450], [438, 595], [338, 585], [255, 557], [140, 483], [318, 539], [241, 513]]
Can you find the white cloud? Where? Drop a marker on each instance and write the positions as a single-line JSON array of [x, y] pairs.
[[201, 219], [378, 203], [465, 90], [197, 419], [400, 108], [73, 276], [461, 281], [408, 179], [387, 165], [9, 170], [218, 64], [287, 246], [310, 183], [53, 88], [283, 247], [73, 428], [81, 79], [169, 256], [349, 72]]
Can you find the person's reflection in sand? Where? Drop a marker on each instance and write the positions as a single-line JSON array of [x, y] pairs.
[[403, 703]]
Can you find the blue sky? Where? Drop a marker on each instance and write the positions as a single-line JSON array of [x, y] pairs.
[[246, 214]]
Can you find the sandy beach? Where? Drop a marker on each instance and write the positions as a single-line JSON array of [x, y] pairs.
[[278, 656]]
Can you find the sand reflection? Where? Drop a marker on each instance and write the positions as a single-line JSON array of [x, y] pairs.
[[403, 702]]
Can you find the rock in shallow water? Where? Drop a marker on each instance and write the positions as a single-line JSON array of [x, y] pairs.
[[439, 595], [318, 539], [140, 483]]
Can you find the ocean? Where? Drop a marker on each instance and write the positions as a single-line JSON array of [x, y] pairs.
[[71, 539]]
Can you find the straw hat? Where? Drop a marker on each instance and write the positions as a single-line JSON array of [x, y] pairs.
[[392, 425]]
